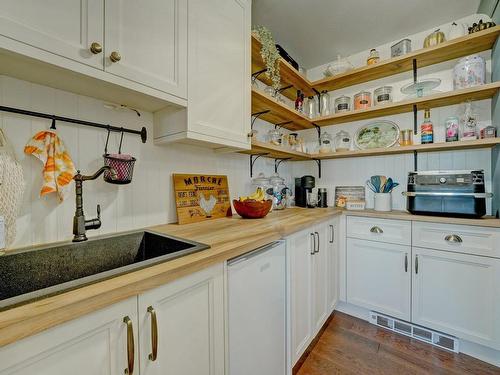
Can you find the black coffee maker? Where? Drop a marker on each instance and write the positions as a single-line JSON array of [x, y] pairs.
[[303, 185]]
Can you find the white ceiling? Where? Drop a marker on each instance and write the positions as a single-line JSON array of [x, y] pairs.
[[315, 31]]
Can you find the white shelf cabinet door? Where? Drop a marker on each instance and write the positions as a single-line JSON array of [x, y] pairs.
[[190, 321], [320, 277], [332, 241], [458, 294], [93, 344], [219, 70], [151, 39], [379, 277], [63, 27], [299, 253]]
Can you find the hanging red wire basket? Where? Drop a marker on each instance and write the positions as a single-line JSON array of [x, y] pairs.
[[122, 164]]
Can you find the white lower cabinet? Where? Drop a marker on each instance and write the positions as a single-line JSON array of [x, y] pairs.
[[458, 294], [310, 275], [332, 241], [93, 344], [188, 335], [378, 277]]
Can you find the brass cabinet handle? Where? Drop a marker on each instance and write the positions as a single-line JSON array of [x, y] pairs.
[[406, 262], [130, 346], [154, 334], [453, 238], [95, 48], [115, 56], [332, 233], [313, 247], [376, 229], [318, 244]]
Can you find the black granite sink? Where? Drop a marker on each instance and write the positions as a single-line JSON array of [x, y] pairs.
[[34, 273]]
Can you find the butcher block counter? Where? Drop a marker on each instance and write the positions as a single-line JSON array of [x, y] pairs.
[[227, 237]]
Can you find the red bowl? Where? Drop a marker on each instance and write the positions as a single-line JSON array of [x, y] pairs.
[[251, 209]]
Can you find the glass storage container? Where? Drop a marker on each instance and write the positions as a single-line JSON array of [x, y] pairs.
[[275, 137], [279, 190], [325, 143], [373, 57], [325, 103], [343, 141], [383, 95], [362, 100], [311, 107], [342, 104]]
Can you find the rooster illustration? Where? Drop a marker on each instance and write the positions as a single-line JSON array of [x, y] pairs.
[[207, 205]]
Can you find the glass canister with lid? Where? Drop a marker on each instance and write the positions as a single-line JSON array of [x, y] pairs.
[[383, 95], [325, 143], [324, 99], [342, 104], [470, 71], [279, 190], [342, 141], [363, 100]]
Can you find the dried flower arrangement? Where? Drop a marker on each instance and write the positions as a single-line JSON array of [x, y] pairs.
[[270, 55]]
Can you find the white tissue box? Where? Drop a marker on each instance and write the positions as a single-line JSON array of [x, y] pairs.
[[2, 233]]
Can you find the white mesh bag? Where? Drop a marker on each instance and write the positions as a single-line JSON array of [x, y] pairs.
[[11, 187]]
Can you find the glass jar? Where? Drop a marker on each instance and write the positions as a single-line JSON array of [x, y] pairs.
[[383, 95], [342, 104], [311, 107], [279, 190], [325, 143], [373, 57], [275, 137], [324, 99], [363, 100], [342, 141]]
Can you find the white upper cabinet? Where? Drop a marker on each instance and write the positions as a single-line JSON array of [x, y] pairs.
[[63, 27], [146, 43], [218, 112]]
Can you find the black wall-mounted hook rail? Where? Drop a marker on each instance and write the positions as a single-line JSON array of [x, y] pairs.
[[277, 163], [253, 159], [256, 115], [281, 124], [318, 162], [143, 132], [257, 74]]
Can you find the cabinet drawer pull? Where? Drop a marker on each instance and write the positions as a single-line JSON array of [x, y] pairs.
[[115, 56], [313, 244], [416, 264], [317, 244], [130, 346], [154, 334], [376, 230], [453, 238], [332, 234], [406, 262]]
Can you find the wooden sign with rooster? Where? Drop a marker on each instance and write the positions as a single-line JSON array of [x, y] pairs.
[[200, 197]]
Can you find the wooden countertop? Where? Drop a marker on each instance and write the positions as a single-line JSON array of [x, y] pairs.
[[228, 238], [487, 221]]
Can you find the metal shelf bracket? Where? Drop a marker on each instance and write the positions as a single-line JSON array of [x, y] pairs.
[[253, 159], [277, 163], [257, 74], [318, 162]]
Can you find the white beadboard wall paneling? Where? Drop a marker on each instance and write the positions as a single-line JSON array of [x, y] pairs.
[[147, 201]]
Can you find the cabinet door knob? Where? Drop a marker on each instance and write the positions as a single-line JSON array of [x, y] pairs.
[[154, 334], [376, 229], [115, 56], [95, 48], [130, 346], [453, 238]]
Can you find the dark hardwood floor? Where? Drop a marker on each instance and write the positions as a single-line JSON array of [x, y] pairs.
[[352, 346]]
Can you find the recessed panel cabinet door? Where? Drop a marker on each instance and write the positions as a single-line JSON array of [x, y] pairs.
[[146, 43], [332, 243], [93, 344], [63, 27], [458, 294], [219, 70], [378, 277], [186, 317], [320, 278]]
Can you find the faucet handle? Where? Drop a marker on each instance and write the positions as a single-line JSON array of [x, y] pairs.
[[98, 211]]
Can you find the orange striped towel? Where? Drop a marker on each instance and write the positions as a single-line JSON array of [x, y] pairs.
[[58, 168]]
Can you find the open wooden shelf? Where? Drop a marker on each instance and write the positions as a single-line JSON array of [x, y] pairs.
[[276, 152], [289, 75], [278, 112], [431, 101], [459, 47], [448, 146]]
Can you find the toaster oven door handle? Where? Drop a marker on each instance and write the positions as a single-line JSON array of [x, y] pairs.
[[446, 194]]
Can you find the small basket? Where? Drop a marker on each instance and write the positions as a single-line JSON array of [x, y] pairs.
[[122, 164]]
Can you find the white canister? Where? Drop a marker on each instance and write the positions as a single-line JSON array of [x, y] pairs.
[[470, 71], [383, 202]]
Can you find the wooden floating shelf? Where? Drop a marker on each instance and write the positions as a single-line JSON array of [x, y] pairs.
[[448, 146], [452, 49], [431, 101], [289, 75], [459, 47], [278, 112], [276, 152]]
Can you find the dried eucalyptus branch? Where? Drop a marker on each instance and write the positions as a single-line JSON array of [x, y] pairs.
[[270, 55]]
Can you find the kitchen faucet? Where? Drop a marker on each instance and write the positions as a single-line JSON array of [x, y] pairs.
[[80, 225]]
